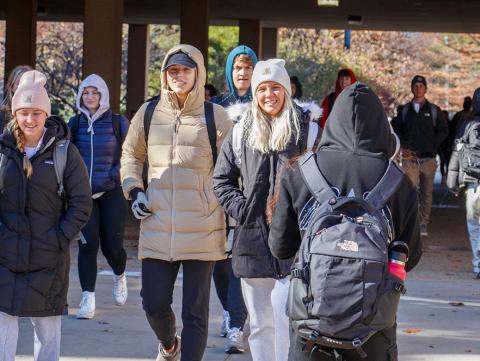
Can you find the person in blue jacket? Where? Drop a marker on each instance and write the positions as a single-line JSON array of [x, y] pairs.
[[238, 72], [98, 134]]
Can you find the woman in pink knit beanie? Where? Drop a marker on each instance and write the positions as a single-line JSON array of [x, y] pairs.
[[40, 214]]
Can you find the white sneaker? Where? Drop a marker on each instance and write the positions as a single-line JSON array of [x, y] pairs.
[[171, 356], [120, 291], [225, 324], [87, 306], [234, 343]]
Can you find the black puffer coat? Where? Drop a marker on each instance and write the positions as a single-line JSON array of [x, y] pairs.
[[35, 228], [251, 257]]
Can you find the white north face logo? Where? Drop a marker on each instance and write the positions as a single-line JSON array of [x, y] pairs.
[[347, 245]]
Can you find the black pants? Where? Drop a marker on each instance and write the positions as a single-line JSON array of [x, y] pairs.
[[158, 281], [104, 229], [229, 291], [380, 347]]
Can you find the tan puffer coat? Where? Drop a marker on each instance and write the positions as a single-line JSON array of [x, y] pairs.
[[187, 222]]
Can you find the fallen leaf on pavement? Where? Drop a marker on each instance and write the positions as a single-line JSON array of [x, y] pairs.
[[415, 330], [456, 303]]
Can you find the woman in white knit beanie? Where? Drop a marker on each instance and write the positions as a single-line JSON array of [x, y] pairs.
[[261, 143], [35, 225]]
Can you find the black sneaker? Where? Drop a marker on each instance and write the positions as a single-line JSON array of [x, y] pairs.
[[476, 276]]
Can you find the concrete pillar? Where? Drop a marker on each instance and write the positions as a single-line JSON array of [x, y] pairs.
[[251, 35], [21, 34], [269, 43], [194, 21], [102, 44], [137, 68]]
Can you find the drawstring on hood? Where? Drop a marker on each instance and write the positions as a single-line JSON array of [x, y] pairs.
[[97, 82], [358, 125], [241, 49]]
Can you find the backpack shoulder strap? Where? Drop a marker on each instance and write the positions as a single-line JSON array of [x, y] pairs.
[[75, 124], [211, 129], [312, 135], [386, 187], [237, 140], [314, 179], [147, 117], [60, 162], [117, 128]]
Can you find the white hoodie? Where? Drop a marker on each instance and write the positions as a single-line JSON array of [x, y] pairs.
[[96, 81]]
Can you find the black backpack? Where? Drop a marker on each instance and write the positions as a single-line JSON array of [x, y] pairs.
[[209, 119], [468, 151], [341, 292]]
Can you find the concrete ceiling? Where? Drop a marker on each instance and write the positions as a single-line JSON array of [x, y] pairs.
[[401, 15]]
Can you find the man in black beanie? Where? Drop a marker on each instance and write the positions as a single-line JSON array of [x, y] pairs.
[[421, 127]]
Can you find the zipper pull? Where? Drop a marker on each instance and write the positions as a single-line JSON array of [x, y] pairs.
[[177, 123]]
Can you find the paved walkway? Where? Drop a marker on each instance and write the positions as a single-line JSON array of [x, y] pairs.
[[438, 331]]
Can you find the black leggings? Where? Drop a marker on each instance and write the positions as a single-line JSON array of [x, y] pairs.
[[158, 283], [104, 229]]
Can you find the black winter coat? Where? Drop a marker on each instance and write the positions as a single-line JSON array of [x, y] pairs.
[[353, 156], [420, 133], [251, 257], [35, 228]]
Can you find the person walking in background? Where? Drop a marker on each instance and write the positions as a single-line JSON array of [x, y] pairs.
[[297, 91], [422, 128], [181, 222], [238, 71], [210, 92], [10, 88], [462, 178], [345, 77], [98, 134], [270, 131], [461, 118], [36, 225], [353, 156], [445, 149]]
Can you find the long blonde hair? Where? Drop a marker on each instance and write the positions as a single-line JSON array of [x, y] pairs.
[[265, 133], [20, 140]]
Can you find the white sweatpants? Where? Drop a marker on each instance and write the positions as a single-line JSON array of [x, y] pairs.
[[266, 300], [47, 332]]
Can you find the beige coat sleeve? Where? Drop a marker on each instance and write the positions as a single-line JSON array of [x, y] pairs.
[[134, 152]]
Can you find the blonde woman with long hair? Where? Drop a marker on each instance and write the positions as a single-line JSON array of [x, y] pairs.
[[35, 226], [271, 131]]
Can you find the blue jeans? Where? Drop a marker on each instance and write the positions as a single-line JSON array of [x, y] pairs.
[[229, 291], [473, 222]]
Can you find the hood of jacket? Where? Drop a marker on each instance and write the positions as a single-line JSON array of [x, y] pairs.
[[97, 82], [241, 49], [196, 97], [358, 125], [338, 88]]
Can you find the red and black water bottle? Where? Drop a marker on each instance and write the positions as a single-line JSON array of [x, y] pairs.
[[397, 258]]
